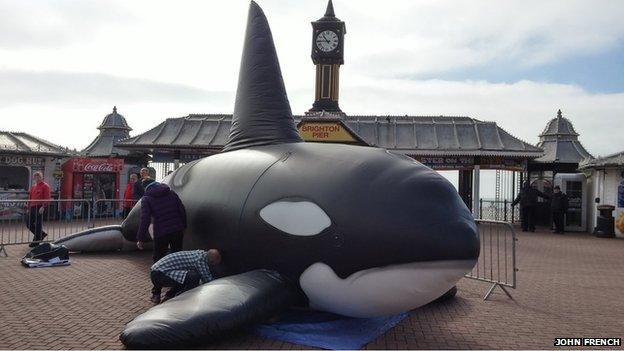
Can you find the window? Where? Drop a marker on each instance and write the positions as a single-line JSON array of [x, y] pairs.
[[14, 178]]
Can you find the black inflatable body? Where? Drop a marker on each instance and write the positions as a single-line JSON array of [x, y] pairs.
[[384, 209], [358, 231]]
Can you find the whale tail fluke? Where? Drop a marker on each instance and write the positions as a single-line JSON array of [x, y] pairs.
[[262, 114]]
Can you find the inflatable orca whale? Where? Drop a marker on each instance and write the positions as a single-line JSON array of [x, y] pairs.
[[358, 231]]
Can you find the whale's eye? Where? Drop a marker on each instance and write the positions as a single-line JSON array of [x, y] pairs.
[[302, 218]]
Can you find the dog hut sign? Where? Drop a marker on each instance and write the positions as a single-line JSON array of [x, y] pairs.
[[18, 160]]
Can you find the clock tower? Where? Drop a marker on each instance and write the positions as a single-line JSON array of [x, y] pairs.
[[327, 54]]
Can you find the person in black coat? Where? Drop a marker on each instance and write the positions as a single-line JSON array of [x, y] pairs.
[[527, 198], [138, 190], [558, 208], [161, 207]]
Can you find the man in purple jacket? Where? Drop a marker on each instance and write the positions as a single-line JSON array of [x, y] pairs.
[[162, 206]]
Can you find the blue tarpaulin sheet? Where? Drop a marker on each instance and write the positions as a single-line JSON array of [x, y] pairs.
[[326, 330]]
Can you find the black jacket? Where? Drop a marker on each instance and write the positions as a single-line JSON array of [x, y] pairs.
[[528, 197], [559, 202], [164, 208], [138, 190]]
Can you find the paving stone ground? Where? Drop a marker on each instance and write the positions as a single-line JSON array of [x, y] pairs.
[[568, 286]]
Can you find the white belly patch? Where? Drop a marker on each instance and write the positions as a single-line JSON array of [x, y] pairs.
[[381, 291]]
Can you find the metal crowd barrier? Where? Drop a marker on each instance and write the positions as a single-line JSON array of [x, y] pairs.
[[108, 211], [61, 218], [497, 259], [498, 210]]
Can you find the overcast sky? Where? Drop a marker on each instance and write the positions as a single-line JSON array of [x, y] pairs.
[[64, 64]]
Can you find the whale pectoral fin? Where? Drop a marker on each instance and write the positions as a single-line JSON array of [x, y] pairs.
[[210, 311], [107, 238]]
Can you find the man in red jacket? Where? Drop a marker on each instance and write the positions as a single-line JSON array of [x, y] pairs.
[[39, 199], [129, 201]]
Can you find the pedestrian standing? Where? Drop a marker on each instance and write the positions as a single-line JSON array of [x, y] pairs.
[[138, 190], [129, 199], [39, 199], [558, 208], [527, 198], [163, 208]]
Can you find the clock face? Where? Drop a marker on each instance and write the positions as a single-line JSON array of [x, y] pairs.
[[327, 41]]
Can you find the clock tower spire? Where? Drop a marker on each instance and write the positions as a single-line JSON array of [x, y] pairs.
[[330, 9], [327, 54]]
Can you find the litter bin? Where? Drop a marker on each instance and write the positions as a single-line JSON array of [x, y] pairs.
[[605, 222]]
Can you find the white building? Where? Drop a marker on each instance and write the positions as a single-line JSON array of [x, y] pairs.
[[607, 187]]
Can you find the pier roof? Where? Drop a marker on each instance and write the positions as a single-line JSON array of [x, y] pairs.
[[113, 129], [560, 142], [614, 160], [24, 143], [413, 135]]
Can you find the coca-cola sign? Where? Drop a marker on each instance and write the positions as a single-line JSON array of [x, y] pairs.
[[103, 167], [95, 165]]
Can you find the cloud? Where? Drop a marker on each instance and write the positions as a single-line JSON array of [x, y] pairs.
[[23, 87], [155, 60], [424, 37], [26, 24], [193, 44]]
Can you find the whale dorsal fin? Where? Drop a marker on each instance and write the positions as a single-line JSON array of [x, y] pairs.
[[262, 114]]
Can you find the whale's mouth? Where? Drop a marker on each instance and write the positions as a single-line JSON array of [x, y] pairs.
[[381, 291]]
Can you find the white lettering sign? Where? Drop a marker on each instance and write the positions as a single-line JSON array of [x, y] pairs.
[[103, 167]]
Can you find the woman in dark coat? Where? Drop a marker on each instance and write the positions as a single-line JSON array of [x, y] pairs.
[[164, 208]]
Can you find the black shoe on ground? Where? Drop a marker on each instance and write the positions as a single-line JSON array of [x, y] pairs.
[[155, 299], [33, 244]]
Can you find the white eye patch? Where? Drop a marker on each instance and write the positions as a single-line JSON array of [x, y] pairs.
[[302, 218]]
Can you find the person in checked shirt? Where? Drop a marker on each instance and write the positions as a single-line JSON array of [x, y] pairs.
[[183, 270]]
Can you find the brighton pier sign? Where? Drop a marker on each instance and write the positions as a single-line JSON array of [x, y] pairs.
[[333, 131]]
